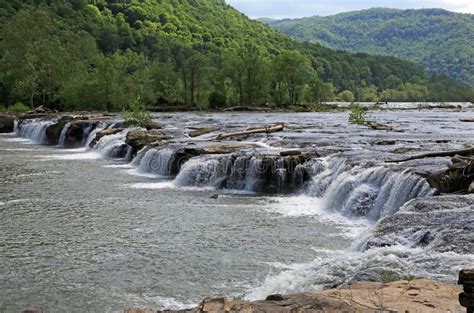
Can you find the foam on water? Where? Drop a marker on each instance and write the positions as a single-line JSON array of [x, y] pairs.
[[373, 192], [395, 261], [111, 146]]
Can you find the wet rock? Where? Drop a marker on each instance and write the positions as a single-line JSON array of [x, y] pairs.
[[400, 296], [471, 188], [466, 278], [458, 177], [215, 305], [140, 138], [224, 149], [215, 197], [277, 297], [75, 134], [139, 311], [440, 224], [385, 143], [53, 133], [306, 154], [7, 123], [377, 126], [32, 311]]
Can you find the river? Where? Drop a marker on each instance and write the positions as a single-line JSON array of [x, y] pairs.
[[82, 231]]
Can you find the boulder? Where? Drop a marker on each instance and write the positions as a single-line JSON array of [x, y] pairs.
[[471, 188], [77, 132], [7, 123], [139, 138], [458, 177], [53, 133]]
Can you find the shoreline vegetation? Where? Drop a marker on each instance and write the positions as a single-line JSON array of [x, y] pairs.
[[106, 55]]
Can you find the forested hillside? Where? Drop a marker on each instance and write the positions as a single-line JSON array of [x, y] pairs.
[[99, 54], [439, 40]]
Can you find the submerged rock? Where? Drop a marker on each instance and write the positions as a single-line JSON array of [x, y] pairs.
[[7, 123], [441, 224]]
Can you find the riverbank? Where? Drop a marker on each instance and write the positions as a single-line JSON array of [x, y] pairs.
[[400, 296]]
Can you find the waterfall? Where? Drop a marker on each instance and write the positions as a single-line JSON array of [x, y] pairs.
[[92, 134], [374, 192], [35, 130], [62, 137], [15, 126], [156, 161], [87, 133], [204, 172], [112, 146]]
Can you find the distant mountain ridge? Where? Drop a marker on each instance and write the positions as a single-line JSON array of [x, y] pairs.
[[439, 40]]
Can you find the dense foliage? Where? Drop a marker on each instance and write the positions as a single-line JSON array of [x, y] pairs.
[[104, 55], [439, 40]]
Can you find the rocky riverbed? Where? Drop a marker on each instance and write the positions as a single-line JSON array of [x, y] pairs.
[[400, 296], [243, 205]]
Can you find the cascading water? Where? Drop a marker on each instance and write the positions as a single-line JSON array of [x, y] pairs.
[[374, 192], [35, 130], [204, 172], [92, 134], [62, 137], [87, 133], [156, 161], [112, 146]]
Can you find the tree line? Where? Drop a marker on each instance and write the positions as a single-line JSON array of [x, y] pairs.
[[103, 55]]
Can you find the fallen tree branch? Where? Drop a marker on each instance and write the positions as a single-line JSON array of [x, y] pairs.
[[265, 130], [467, 120], [435, 155]]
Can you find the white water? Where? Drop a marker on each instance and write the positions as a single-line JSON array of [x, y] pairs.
[[156, 162], [35, 130], [109, 146], [62, 137], [374, 192]]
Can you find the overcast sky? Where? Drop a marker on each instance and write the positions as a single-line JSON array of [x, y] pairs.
[[299, 8]]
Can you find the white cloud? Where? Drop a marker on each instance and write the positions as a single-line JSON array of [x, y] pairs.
[[299, 8]]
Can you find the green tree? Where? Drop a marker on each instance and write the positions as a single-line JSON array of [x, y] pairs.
[[292, 71], [346, 96]]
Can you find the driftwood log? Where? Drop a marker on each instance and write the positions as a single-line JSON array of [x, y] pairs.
[[435, 155], [264, 130], [467, 120]]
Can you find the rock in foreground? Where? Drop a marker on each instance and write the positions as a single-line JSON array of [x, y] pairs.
[[401, 296]]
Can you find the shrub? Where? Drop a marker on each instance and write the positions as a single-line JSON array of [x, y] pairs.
[[137, 116], [18, 108], [358, 116]]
